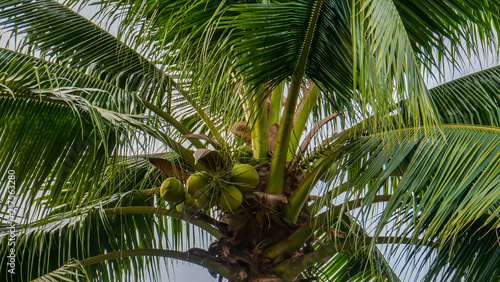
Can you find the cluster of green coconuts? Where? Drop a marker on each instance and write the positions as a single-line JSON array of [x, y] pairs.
[[203, 189]]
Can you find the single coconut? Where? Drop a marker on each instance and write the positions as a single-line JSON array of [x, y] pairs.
[[253, 162], [230, 198], [180, 207], [188, 200], [205, 203], [197, 185], [245, 154], [200, 203], [246, 176], [172, 190]]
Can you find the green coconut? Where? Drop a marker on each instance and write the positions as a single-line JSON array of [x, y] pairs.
[[172, 190], [246, 176], [188, 200], [205, 203], [197, 185], [245, 154], [180, 207], [230, 198], [200, 203], [253, 162]]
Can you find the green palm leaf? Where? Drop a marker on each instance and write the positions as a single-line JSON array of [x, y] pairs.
[[81, 45], [28, 75], [446, 183], [473, 255], [54, 146], [472, 99]]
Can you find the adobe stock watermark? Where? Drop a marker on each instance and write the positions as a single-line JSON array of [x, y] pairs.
[[12, 228]]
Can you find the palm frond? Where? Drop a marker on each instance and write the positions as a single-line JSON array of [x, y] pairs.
[[441, 31], [440, 185], [387, 66], [357, 265], [24, 74], [94, 52], [472, 99], [94, 229], [459, 183], [43, 142], [474, 255], [64, 273], [81, 45], [195, 55], [34, 79]]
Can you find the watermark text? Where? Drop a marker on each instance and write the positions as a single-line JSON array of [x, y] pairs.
[[12, 229]]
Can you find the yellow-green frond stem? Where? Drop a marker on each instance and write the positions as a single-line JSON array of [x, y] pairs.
[[277, 172], [300, 124], [171, 120], [259, 133], [275, 111]]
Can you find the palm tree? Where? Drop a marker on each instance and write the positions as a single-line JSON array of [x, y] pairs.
[[304, 133]]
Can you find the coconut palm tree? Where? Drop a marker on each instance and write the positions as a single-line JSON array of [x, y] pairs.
[[295, 137]]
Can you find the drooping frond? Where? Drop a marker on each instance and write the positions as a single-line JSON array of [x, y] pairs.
[[473, 99], [43, 142], [453, 180], [91, 50], [69, 39], [183, 38], [439, 185], [474, 255], [385, 65], [27, 75], [68, 272], [87, 234], [449, 31], [355, 265], [55, 142], [97, 227]]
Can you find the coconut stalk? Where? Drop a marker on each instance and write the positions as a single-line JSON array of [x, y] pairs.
[[277, 173], [259, 130], [275, 109], [303, 116]]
